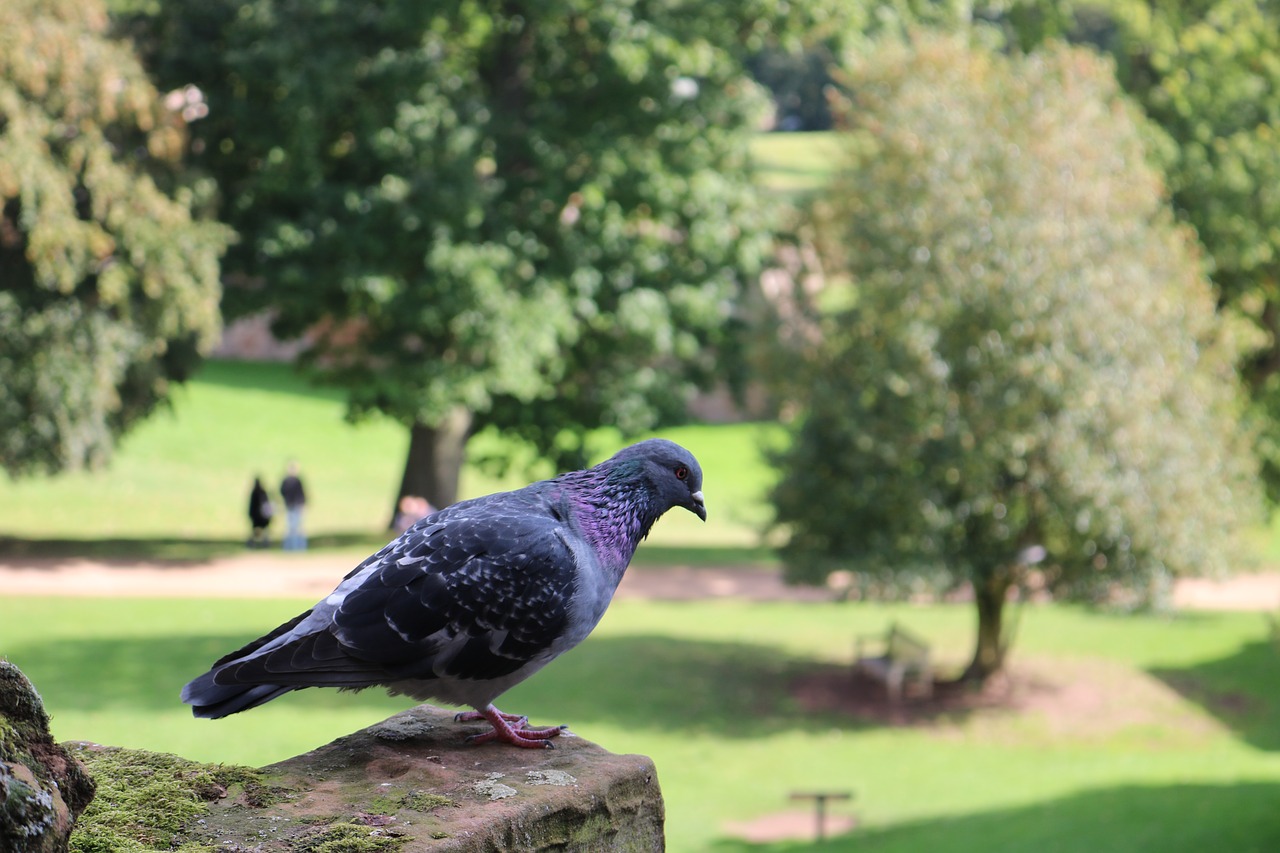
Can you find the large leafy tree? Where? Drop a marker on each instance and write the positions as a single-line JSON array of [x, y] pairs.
[[1018, 353], [108, 287], [1208, 73], [536, 216]]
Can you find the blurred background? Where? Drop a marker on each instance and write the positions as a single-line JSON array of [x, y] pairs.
[[969, 312]]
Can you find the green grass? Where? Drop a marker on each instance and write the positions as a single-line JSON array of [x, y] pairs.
[[702, 688], [795, 163], [179, 483], [184, 474]]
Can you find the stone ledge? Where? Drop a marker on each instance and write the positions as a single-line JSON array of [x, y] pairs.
[[410, 784]]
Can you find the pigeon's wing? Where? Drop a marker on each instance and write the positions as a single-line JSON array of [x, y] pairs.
[[473, 595]]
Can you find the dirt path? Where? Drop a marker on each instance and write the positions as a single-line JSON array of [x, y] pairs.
[[276, 574]]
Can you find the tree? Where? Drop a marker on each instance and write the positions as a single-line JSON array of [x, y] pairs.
[[1018, 352], [110, 287], [536, 217], [1206, 74], [1209, 74]]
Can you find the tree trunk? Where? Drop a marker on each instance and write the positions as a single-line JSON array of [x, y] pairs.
[[988, 657], [434, 463]]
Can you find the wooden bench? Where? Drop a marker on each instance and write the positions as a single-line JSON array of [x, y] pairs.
[[898, 659]]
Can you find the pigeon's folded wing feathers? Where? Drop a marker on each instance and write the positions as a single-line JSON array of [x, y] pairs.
[[453, 598]]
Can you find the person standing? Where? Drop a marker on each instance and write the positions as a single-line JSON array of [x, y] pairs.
[[295, 502], [260, 512]]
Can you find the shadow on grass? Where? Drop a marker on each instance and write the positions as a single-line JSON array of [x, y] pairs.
[[731, 690], [144, 674], [698, 556], [1241, 690], [183, 549], [1125, 819], [645, 681], [275, 377], [168, 549]]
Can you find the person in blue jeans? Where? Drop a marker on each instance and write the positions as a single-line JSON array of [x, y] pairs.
[[295, 503]]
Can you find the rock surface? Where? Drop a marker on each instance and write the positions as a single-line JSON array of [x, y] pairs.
[[42, 788], [411, 784]]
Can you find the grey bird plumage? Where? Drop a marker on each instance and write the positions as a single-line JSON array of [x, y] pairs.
[[472, 599]]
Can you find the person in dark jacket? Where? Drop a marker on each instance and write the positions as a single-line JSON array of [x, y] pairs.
[[260, 512], [295, 503]]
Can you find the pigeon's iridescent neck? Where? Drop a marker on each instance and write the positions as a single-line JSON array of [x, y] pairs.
[[613, 520]]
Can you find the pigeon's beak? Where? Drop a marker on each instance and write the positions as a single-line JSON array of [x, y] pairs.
[[696, 505]]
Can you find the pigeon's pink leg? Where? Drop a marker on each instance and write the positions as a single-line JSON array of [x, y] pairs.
[[509, 728]]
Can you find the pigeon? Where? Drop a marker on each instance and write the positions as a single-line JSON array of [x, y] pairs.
[[471, 600]]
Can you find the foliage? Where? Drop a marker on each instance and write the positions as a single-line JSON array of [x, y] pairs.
[[1024, 354], [110, 289], [1209, 74], [538, 215]]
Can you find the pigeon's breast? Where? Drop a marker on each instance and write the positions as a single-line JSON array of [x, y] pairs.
[[596, 585]]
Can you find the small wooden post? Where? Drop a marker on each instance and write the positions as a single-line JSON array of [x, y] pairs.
[[820, 799]]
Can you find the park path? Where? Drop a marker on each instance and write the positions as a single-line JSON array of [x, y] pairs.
[[277, 574]]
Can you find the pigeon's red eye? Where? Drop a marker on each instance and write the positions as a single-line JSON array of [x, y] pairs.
[[682, 473]]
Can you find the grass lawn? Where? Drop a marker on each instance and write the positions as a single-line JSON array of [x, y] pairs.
[[795, 163], [179, 484], [1173, 745]]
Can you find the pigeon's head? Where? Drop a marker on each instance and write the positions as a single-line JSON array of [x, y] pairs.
[[668, 469]]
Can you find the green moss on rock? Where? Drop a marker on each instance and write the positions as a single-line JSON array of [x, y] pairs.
[[21, 705], [425, 801], [146, 799], [42, 788], [349, 837]]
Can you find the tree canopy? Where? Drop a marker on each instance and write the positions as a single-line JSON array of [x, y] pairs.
[[1017, 353], [1209, 74], [532, 216], [110, 287]]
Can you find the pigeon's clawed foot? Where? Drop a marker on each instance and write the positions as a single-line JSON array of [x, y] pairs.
[[509, 728], [517, 720]]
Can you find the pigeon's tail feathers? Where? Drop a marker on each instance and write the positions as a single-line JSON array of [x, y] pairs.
[[274, 665], [212, 701]]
